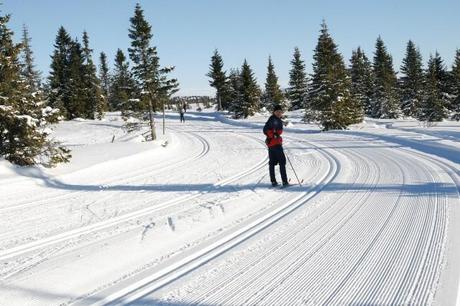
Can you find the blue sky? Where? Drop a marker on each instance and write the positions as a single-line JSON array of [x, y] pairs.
[[186, 32]]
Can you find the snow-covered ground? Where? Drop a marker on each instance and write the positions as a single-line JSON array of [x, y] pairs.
[[190, 219]]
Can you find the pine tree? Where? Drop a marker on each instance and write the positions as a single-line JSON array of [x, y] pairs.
[[104, 76], [94, 99], [434, 105], [33, 91], [298, 86], [455, 76], [362, 79], [23, 119], [155, 87], [250, 92], [123, 85], [273, 94], [412, 81], [218, 80], [76, 92], [235, 92], [59, 89], [385, 98], [330, 95], [29, 73]]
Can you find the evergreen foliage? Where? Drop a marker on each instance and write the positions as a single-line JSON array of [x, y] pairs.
[[59, 89], [28, 71], [235, 92], [273, 94], [385, 98], [455, 89], [75, 106], [435, 101], [411, 83], [218, 80], [332, 102], [250, 93], [104, 77], [94, 102], [73, 85], [154, 85], [362, 79], [298, 82], [23, 113], [123, 85]]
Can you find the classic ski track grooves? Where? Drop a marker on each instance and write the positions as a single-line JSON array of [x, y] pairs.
[[292, 242], [176, 270], [122, 178], [407, 267], [41, 243], [428, 225]]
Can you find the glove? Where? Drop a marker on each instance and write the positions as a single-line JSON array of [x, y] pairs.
[[276, 135]]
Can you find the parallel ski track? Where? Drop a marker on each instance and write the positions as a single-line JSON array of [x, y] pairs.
[[377, 277], [42, 243], [415, 285], [193, 261], [253, 270], [124, 178], [432, 255], [430, 224], [147, 172]]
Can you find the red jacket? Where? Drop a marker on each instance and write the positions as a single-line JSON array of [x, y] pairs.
[[273, 129]]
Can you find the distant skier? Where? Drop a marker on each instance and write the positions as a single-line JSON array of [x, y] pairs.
[[182, 113], [273, 130]]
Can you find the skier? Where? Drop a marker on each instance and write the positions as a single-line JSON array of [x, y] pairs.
[[182, 112], [273, 130]]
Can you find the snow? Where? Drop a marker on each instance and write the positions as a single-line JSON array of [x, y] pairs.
[[195, 222], [29, 120], [5, 108]]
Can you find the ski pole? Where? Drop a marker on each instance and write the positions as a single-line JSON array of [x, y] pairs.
[[300, 184]]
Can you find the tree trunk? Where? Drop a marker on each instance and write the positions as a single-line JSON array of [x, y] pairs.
[[164, 121], [152, 121], [219, 105]]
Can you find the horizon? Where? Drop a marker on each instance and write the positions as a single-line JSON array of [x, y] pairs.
[[186, 33]]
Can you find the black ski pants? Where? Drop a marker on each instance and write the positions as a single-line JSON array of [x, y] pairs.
[[276, 156]]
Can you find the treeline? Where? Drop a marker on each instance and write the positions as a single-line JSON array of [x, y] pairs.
[[335, 95], [75, 88]]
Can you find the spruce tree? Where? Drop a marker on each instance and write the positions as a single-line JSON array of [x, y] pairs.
[[94, 101], [412, 82], [455, 76], [385, 99], [104, 77], [123, 86], [155, 87], [23, 117], [76, 101], [435, 102], [298, 87], [331, 99], [29, 72], [235, 92], [362, 79], [250, 92], [59, 89], [218, 80], [32, 77], [273, 94]]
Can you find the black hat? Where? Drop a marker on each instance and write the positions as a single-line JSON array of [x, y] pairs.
[[277, 108]]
